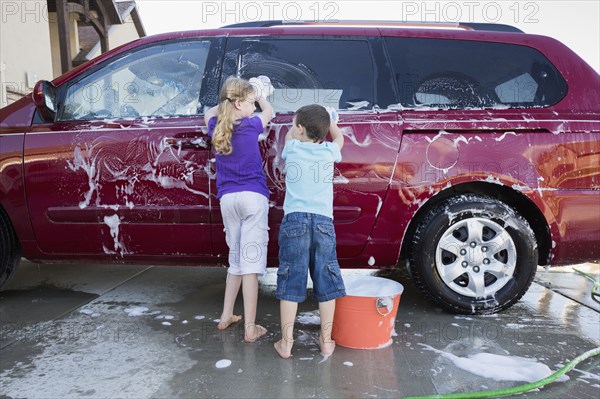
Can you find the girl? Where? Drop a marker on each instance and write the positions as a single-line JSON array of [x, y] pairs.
[[243, 194]]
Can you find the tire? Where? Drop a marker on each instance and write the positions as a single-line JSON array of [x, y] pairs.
[[473, 255], [10, 251]]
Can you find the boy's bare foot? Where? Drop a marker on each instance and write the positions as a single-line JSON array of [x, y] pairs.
[[327, 348], [282, 349], [254, 332], [226, 322]]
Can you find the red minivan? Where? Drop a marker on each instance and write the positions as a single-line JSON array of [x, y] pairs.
[[472, 152]]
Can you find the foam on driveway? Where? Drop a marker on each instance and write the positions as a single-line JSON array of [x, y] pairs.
[[127, 331]]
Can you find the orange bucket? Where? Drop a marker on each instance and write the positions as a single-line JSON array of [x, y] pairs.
[[365, 317]]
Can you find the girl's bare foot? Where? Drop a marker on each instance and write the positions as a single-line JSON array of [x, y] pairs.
[[254, 332], [226, 322], [282, 349], [327, 348]]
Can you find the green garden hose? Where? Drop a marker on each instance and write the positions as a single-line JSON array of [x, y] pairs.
[[595, 287], [521, 388], [536, 384]]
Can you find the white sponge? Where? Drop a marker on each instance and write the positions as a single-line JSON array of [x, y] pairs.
[[333, 114], [262, 86]]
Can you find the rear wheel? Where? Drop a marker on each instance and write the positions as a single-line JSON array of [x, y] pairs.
[[10, 251], [473, 254]]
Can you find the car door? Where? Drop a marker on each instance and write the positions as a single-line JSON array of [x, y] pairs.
[[331, 71], [122, 172]]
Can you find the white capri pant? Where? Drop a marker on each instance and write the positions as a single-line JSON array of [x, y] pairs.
[[245, 217]]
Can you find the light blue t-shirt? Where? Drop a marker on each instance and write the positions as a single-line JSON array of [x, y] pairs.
[[309, 176]]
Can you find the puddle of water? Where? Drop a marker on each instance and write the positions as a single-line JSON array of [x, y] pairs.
[[39, 304]]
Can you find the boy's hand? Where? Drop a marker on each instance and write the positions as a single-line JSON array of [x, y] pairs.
[[333, 114], [336, 134], [262, 86]]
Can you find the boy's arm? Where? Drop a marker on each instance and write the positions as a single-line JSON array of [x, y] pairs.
[[336, 134], [214, 111], [267, 111], [290, 133]]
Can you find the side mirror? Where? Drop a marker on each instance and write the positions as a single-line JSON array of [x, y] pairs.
[[44, 97]]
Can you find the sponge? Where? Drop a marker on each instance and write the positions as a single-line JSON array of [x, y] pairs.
[[333, 114], [262, 86]]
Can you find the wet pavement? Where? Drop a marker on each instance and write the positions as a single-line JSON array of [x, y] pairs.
[[100, 331]]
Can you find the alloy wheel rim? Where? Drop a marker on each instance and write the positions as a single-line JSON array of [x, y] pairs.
[[476, 257]]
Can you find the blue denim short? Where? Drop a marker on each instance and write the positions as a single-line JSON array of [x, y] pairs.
[[307, 244]]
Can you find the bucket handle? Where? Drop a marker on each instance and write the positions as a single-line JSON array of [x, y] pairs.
[[386, 302]]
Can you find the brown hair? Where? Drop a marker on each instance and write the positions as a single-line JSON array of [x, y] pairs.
[[315, 119], [233, 89]]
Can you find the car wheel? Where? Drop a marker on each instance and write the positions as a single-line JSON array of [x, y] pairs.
[[10, 251], [473, 254]]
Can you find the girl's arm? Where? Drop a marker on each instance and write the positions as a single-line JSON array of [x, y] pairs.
[[336, 134], [210, 113], [267, 111]]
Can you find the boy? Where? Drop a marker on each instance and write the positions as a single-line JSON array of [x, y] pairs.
[[307, 236]]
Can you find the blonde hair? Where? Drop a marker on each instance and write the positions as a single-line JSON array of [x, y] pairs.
[[233, 89]]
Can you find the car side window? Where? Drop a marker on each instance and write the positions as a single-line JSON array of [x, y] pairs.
[[461, 74], [163, 80], [336, 73]]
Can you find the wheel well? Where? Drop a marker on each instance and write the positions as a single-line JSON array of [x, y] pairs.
[[520, 203], [4, 215]]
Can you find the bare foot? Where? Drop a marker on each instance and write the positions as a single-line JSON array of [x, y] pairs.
[[254, 332], [226, 322], [282, 349], [327, 348]]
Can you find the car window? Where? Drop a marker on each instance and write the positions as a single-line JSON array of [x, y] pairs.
[[159, 81], [446, 73], [305, 71]]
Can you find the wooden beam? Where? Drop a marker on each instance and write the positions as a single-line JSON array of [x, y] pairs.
[[139, 27], [102, 24], [64, 34], [86, 10], [98, 26], [100, 7], [104, 45], [108, 10], [75, 7]]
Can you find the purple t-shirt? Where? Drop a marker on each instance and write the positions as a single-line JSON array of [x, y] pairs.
[[242, 170]]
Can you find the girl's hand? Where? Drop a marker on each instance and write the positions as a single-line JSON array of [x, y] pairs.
[[262, 86], [267, 110]]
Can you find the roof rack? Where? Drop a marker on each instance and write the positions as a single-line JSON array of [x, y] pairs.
[[455, 25], [491, 27]]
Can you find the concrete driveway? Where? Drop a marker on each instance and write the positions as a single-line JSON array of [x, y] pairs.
[[100, 331]]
